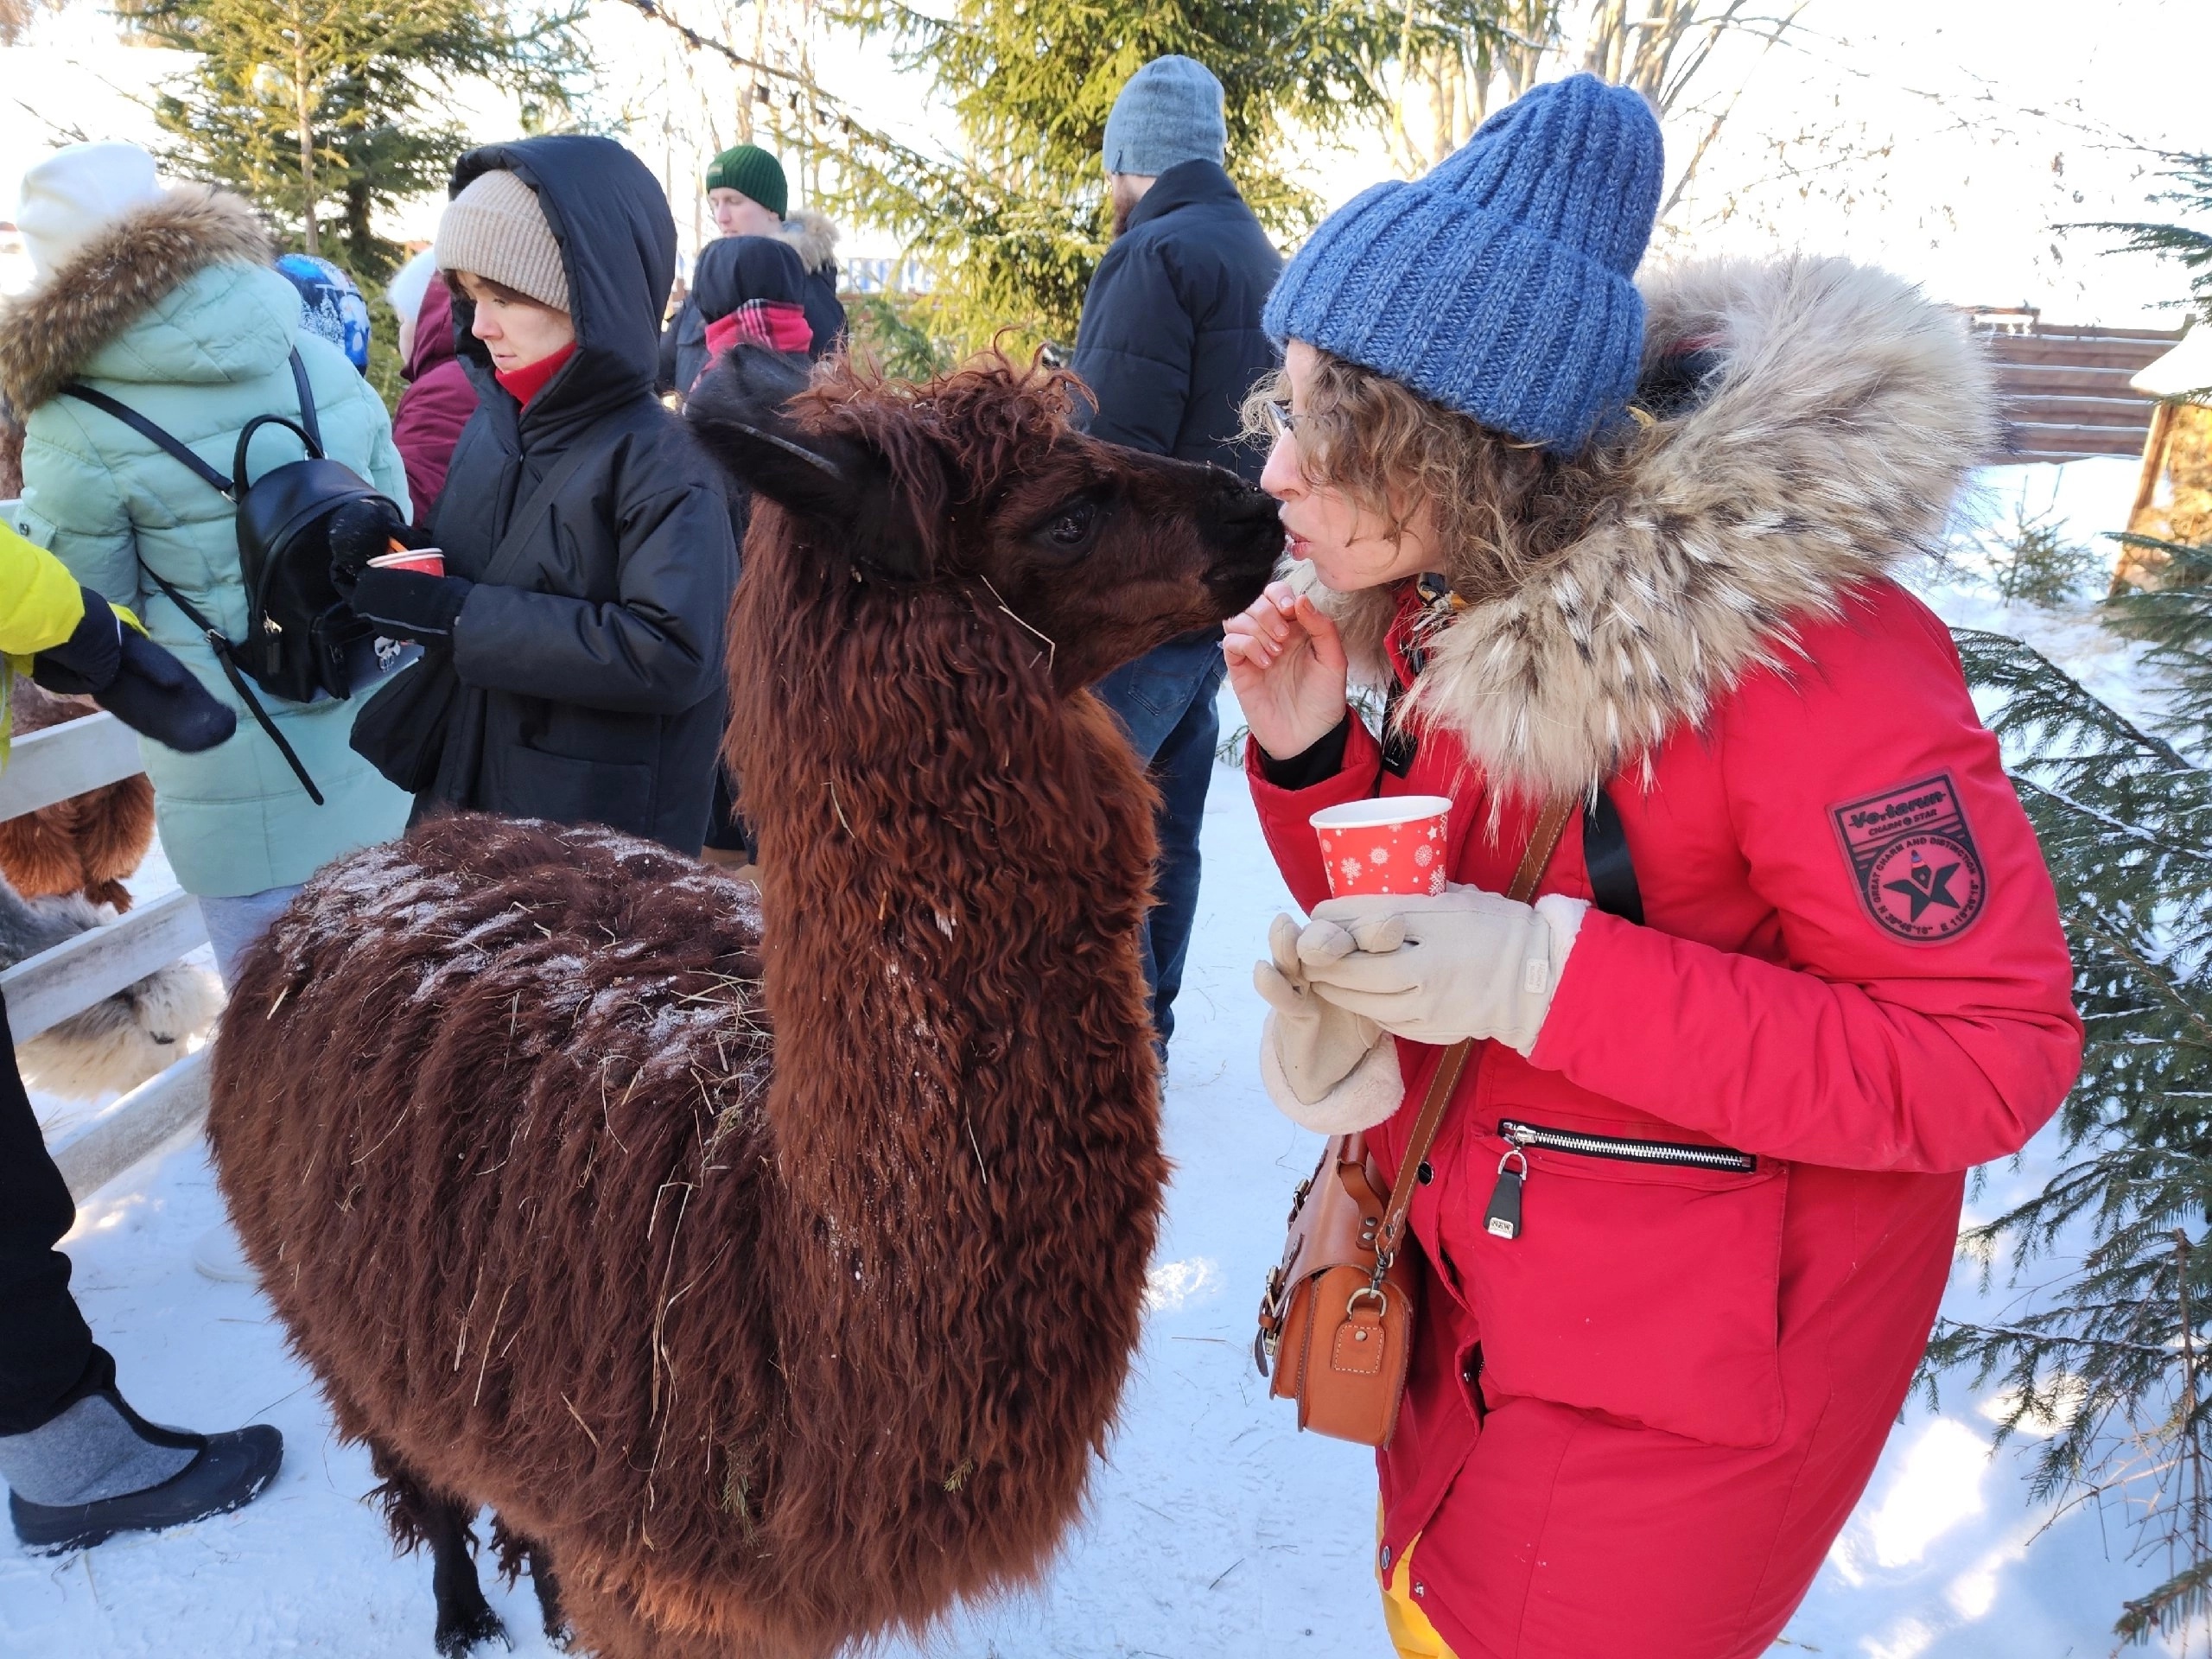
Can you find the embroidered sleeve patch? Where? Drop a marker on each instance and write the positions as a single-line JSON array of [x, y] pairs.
[[1919, 873]]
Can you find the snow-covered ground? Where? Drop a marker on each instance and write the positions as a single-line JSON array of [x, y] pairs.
[[1215, 1529]]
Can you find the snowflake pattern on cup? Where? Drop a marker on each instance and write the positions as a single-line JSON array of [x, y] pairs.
[[1404, 856]]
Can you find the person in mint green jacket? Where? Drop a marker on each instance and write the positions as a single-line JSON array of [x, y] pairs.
[[167, 301]]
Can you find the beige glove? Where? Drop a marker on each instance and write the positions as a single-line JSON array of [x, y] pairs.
[[1325, 1070], [1465, 964]]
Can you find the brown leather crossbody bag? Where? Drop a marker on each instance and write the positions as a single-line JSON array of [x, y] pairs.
[[1336, 1321]]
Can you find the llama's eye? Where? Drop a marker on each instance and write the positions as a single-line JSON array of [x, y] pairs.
[[1072, 528]]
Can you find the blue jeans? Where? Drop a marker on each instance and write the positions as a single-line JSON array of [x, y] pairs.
[[1165, 702]]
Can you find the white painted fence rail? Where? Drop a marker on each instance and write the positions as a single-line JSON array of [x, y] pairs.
[[43, 990], [67, 760]]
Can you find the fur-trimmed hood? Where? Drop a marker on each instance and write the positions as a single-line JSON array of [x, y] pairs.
[[49, 333], [1823, 450], [813, 237]]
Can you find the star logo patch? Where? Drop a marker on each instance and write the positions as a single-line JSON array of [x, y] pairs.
[[1919, 873]]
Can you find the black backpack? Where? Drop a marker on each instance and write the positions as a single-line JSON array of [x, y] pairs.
[[302, 642]]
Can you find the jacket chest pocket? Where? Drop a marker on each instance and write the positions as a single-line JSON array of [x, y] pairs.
[[1636, 1277]]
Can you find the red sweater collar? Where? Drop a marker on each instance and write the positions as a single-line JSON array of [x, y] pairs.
[[525, 383]]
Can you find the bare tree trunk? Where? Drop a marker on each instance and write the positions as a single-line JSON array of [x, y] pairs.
[[303, 104]]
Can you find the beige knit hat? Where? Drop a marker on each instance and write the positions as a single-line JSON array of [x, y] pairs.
[[495, 229]]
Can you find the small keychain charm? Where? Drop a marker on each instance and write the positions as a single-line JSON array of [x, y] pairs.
[[1502, 1218]]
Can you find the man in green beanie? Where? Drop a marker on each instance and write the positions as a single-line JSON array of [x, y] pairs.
[[747, 189], [750, 196]]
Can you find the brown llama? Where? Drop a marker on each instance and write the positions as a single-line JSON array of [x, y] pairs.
[[770, 1262]]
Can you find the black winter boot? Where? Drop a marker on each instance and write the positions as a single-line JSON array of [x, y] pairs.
[[96, 1468]]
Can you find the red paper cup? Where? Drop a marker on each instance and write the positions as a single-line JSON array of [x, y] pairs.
[[1393, 844], [430, 561]]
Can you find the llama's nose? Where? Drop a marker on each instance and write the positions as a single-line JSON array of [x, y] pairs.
[[1249, 508]]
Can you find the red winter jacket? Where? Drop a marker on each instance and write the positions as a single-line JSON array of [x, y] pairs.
[[439, 399], [1645, 1418]]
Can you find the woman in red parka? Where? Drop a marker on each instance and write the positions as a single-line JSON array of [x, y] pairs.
[[1634, 550]]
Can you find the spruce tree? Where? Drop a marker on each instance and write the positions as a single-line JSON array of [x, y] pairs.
[[2107, 1356], [1012, 227], [322, 113], [2191, 178]]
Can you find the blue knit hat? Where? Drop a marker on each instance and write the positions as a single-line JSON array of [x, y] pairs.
[[1499, 285], [1169, 111]]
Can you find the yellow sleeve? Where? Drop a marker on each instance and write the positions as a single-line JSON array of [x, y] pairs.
[[41, 603]]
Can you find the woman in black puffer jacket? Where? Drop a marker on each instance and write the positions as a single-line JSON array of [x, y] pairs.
[[589, 653]]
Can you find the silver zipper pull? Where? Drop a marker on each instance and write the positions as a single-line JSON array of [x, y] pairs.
[[1502, 1218]]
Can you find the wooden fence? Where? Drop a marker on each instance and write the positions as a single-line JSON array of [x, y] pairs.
[[43, 990], [2065, 389]]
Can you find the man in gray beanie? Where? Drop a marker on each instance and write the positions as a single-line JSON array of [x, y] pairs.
[[1171, 341]]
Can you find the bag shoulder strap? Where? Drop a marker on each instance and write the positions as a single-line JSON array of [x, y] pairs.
[[175, 447], [306, 402], [146, 430], [1543, 840], [1605, 855], [515, 538], [219, 643]]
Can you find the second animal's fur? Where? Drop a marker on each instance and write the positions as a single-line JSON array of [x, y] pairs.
[[121, 1040], [87, 844]]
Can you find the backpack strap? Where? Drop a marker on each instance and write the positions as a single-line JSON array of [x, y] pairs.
[[219, 643], [241, 472], [306, 402], [146, 430]]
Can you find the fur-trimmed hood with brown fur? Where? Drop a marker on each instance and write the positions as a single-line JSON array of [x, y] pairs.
[[1823, 451], [49, 332], [813, 236]]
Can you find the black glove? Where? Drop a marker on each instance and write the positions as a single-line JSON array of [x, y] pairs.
[[85, 664], [157, 694], [362, 530], [408, 605], [135, 680]]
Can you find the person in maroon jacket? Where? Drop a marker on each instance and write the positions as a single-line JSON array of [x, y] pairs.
[[1794, 968], [439, 399]]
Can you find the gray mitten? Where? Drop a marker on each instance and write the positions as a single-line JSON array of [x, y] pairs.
[[1326, 1070]]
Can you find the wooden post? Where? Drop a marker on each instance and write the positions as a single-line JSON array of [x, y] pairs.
[[2154, 462]]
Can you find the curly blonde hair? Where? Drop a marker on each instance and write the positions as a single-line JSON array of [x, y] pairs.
[[1501, 509]]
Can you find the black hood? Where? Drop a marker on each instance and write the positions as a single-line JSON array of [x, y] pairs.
[[736, 269], [618, 245], [1184, 185]]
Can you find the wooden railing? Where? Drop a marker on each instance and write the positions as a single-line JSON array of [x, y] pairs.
[[43, 990]]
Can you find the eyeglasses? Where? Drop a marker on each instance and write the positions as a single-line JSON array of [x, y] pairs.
[[1278, 419]]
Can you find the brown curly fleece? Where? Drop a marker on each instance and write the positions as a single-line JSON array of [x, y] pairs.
[[48, 330], [775, 1259], [88, 844]]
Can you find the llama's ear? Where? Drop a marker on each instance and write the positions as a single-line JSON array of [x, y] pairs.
[[842, 485], [737, 409]]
